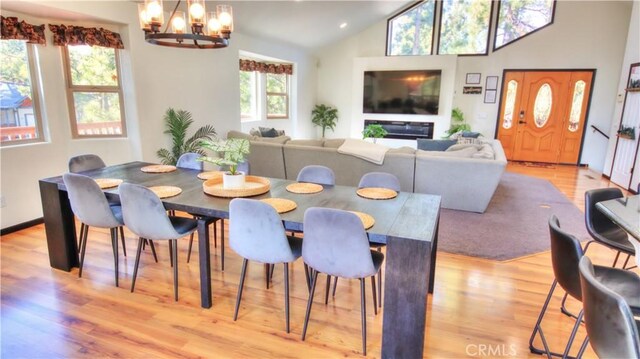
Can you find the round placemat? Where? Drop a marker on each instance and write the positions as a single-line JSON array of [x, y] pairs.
[[280, 204], [304, 188], [158, 168], [166, 191], [105, 183], [366, 219], [376, 193], [209, 175]]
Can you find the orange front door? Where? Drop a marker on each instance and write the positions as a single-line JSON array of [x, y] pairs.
[[543, 114]]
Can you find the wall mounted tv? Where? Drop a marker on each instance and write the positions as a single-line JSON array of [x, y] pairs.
[[402, 92]]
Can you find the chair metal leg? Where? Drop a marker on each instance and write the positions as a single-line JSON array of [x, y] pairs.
[[286, 295], [573, 335], [564, 309], [135, 267], [266, 274], [114, 245], [239, 296], [309, 303], [153, 250], [190, 245], [83, 248], [616, 260], [373, 293], [583, 347], [171, 252], [380, 288], [124, 246], [175, 268], [307, 276], [326, 294], [215, 234], [335, 285], [79, 242], [537, 328], [626, 261], [363, 313], [222, 242], [272, 267]]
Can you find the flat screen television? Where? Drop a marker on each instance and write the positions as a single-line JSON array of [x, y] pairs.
[[402, 92]]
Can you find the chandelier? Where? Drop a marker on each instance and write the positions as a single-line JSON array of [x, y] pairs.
[[209, 30]]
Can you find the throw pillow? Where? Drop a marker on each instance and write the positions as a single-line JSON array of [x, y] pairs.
[[470, 134], [268, 132], [486, 152], [435, 145], [462, 146], [469, 140], [254, 132]]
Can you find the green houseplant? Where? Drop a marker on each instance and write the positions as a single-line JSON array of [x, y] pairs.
[[374, 131], [232, 151], [627, 132], [457, 123], [324, 116], [177, 124]]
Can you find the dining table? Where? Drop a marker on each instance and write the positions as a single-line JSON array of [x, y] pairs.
[[625, 212], [407, 224]]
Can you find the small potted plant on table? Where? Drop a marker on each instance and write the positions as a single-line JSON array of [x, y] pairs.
[[232, 152], [374, 132]]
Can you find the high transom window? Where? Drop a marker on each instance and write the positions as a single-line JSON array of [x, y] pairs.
[[411, 32], [464, 27], [517, 18]]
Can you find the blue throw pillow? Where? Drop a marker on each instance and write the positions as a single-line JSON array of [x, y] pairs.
[[470, 134], [435, 145]]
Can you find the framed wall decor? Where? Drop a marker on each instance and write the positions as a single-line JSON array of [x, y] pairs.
[[490, 96], [473, 78], [471, 90], [491, 83]]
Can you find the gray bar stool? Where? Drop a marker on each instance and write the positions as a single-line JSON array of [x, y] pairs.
[[145, 215], [335, 243], [90, 205]]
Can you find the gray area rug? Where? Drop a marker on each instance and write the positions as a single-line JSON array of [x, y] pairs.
[[515, 223]]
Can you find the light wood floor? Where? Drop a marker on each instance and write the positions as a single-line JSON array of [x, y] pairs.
[[477, 303]]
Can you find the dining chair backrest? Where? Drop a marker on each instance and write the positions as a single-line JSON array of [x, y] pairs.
[[336, 243], [380, 180], [608, 319], [596, 221], [88, 202], [256, 232], [566, 253], [144, 214], [317, 174], [190, 161], [85, 163]]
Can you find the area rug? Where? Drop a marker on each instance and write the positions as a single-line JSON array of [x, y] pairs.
[[514, 224]]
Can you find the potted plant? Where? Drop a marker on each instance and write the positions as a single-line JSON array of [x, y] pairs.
[[457, 123], [627, 132], [374, 132], [177, 123], [233, 152], [324, 116]]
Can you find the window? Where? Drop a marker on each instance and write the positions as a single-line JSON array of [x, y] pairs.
[[576, 105], [277, 96], [512, 90], [464, 28], [248, 96], [518, 18], [411, 32], [94, 91], [20, 120]]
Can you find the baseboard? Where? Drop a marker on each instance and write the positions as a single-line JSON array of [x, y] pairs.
[[21, 226], [605, 176]]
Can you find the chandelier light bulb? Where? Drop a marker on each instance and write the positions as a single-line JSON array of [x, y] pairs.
[[225, 18], [197, 11], [154, 9], [178, 24], [214, 25]]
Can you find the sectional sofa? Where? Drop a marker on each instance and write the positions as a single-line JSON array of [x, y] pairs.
[[464, 183]]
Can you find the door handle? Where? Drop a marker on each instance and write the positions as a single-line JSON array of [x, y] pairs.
[[521, 117], [523, 122]]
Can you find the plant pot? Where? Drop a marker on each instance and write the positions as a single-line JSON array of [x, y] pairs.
[[233, 181], [626, 136]]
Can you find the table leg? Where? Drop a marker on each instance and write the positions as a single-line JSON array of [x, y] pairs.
[[60, 227], [205, 263], [407, 282]]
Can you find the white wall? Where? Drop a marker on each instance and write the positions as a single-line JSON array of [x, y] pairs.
[[631, 55], [585, 34], [204, 82]]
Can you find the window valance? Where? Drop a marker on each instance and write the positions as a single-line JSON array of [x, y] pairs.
[[77, 35], [13, 29], [251, 65]]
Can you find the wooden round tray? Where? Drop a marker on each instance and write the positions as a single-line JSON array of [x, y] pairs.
[[209, 175], [366, 219], [105, 183], [376, 193], [158, 168], [304, 188], [254, 186], [166, 191], [281, 205]]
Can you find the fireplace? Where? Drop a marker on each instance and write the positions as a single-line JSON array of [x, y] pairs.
[[404, 130]]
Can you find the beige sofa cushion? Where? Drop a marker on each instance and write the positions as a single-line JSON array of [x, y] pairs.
[[463, 153], [333, 142], [315, 143], [486, 152]]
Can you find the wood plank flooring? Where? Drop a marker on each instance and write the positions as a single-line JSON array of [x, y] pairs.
[[480, 307]]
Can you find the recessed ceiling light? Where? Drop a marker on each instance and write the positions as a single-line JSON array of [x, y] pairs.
[[343, 25]]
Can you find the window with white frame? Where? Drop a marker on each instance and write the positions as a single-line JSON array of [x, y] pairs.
[[248, 96], [20, 120], [94, 91], [277, 95], [264, 90]]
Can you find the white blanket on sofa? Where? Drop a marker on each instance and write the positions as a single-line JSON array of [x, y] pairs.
[[367, 151]]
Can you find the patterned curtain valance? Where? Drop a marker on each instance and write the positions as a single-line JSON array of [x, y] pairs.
[[12, 29], [77, 35], [250, 65]]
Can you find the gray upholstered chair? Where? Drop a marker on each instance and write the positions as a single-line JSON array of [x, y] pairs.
[[335, 243], [612, 330], [317, 174], [85, 163], [190, 161], [256, 233], [90, 205], [145, 215], [380, 180]]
